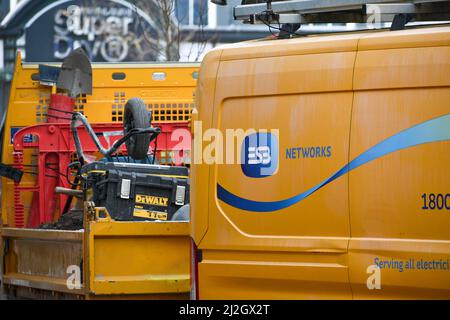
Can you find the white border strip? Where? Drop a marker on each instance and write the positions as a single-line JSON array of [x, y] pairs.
[[14, 12], [57, 3]]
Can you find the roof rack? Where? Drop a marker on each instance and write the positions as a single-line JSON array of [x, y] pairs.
[[399, 12]]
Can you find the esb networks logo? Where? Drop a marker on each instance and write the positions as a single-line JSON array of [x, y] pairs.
[[260, 155]]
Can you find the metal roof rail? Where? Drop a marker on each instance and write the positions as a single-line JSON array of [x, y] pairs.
[[399, 12]]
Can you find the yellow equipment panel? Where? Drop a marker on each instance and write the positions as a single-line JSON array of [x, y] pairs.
[[137, 258]]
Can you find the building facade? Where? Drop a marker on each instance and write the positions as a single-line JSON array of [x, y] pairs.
[[114, 31]]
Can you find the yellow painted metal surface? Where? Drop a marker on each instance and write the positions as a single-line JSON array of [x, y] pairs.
[[347, 92], [127, 258], [39, 259], [386, 214], [170, 99], [117, 260]]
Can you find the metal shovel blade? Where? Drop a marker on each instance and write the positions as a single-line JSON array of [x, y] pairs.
[[76, 74]]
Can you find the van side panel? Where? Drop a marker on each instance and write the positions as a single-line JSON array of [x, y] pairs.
[[400, 136], [201, 121], [297, 251]]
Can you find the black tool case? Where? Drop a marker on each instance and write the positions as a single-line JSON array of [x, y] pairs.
[[136, 192]]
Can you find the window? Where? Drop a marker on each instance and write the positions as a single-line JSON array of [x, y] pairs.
[[192, 12]]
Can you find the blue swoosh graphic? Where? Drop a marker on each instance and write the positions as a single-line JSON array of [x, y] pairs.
[[434, 130]]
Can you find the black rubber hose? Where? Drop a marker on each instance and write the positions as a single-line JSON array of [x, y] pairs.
[[116, 145]]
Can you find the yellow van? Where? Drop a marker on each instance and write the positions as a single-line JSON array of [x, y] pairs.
[[343, 188]]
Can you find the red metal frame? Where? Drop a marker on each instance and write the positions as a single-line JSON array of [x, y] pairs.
[[55, 146]]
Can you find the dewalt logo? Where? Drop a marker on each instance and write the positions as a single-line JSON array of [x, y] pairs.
[[152, 200]]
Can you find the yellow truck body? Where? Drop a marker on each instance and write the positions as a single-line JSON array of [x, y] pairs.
[[116, 259], [355, 204]]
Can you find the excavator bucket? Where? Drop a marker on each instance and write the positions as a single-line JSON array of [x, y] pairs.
[[76, 74]]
